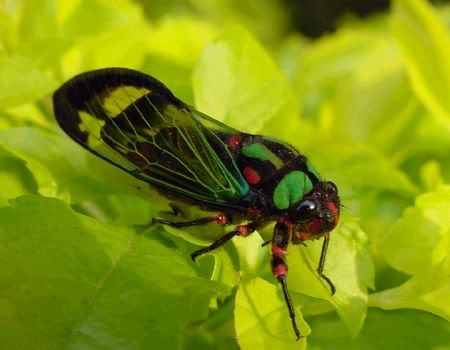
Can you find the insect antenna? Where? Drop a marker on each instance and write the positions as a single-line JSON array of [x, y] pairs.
[[343, 206]]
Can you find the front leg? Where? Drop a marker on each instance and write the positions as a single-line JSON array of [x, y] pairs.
[[280, 241], [300, 237], [239, 230], [323, 254]]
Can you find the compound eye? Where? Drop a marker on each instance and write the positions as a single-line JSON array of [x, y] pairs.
[[305, 210], [331, 187]]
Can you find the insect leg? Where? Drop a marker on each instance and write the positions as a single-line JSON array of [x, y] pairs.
[[287, 298], [220, 219], [323, 253], [266, 243], [240, 230], [280, 243]]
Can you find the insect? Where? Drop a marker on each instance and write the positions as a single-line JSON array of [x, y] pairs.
[[134, 122]]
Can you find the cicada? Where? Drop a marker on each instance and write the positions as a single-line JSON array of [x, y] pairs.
[[134, 122]]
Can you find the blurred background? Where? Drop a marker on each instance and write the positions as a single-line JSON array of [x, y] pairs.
[[361, 87]]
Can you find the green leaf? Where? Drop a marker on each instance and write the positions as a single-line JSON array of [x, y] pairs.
[[236, 77], [104, 34], [420, 238], [427, 290], [408, 329], [90, 18], [95, 286], [21, 81], [425, 43], [35, 33], [215, 333], [253, 258], [431, 175], [187, 37], [46, 183], [8, 28], [419, 244], [348, 265], [356, 167], [15, 177], [323, 69], [50, 31], [253, 15], [262, 319], [225, 259], [37, 14]]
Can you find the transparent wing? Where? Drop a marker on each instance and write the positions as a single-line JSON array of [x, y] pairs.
[[134, 122]]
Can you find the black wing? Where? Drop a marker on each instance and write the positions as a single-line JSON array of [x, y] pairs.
[[133, 121]]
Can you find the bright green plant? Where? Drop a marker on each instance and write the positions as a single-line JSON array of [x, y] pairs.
[[369, 105]]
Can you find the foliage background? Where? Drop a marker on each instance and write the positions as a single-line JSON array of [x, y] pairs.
[[370, 106]]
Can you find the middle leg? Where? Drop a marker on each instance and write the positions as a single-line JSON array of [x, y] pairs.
[[239, 230]]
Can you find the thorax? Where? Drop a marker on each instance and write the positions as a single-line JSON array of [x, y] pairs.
[[277, 174]]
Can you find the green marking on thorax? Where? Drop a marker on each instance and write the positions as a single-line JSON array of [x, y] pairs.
[[291, 189], [259, 151], [313, 170]]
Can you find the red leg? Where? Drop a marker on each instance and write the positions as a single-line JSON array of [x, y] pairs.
[[281, 238]]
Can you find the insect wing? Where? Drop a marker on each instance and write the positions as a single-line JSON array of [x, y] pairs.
[[133, 121]]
